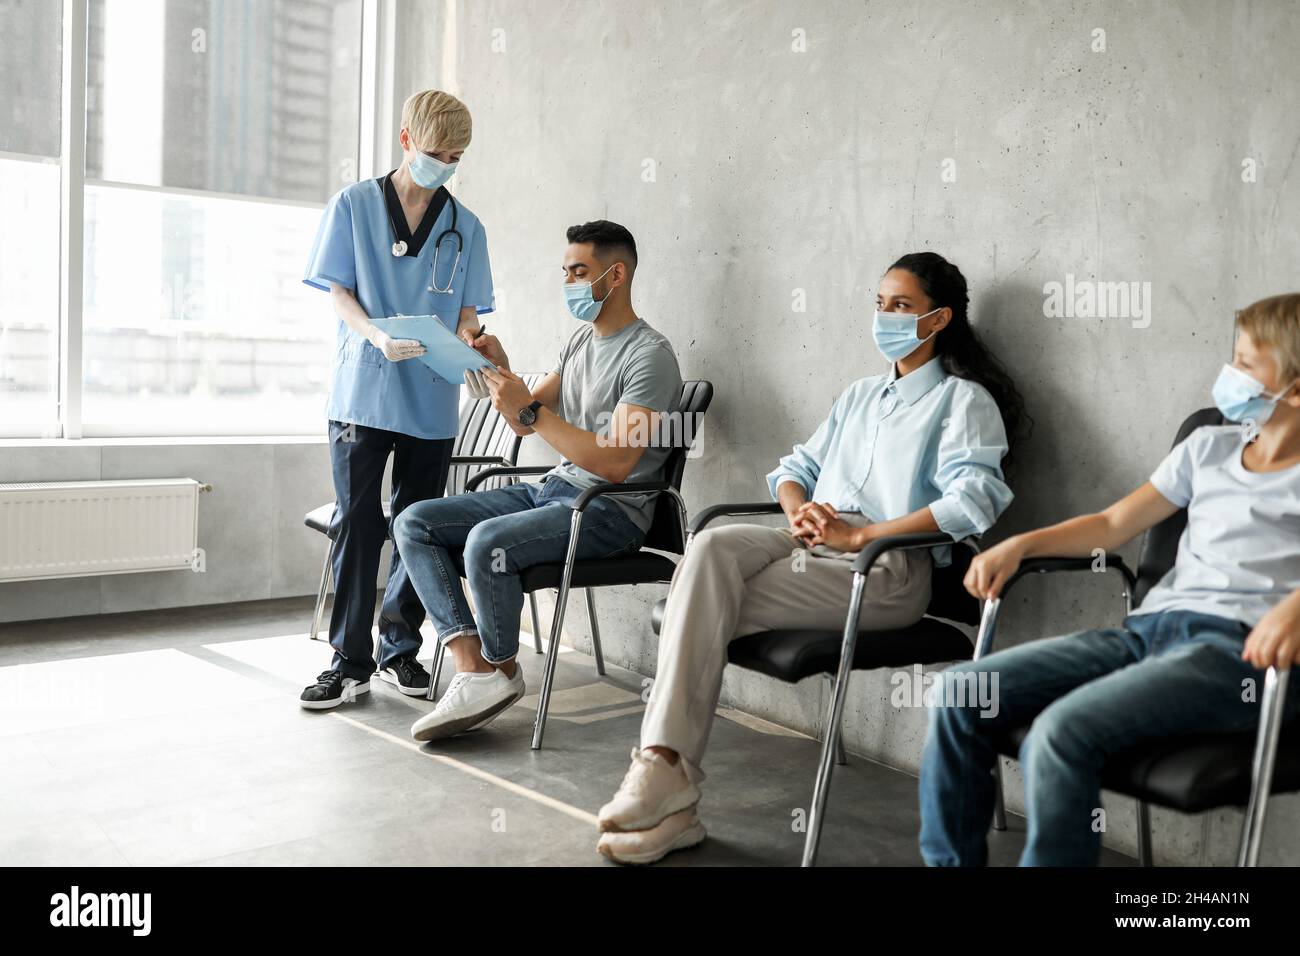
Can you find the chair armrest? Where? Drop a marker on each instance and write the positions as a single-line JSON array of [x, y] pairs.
[[1051, 565], [617, 488], [1048, 565], [740, 508], [485, 474], [479, 460], [898, 542]]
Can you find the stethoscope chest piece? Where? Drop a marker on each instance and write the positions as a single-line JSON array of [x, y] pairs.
[[399, 248]]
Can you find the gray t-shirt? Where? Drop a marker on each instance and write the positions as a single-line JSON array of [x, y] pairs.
[[634, 366]]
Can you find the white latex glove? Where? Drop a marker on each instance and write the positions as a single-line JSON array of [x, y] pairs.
[[395, 350], [476, 384]]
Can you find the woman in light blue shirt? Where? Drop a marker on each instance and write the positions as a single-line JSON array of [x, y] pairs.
[[920, 448], [397, 245]]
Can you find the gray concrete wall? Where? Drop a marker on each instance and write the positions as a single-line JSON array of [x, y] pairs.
[[776, 171], [763, 150]]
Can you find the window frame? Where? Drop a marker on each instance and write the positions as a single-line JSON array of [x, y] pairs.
[[376, 115]]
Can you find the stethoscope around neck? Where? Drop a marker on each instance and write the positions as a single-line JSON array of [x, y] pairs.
[[399, 246]]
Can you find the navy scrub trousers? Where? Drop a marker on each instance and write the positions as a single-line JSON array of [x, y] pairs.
[[420, 466]]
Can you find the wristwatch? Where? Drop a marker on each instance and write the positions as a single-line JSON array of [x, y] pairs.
[[528, 415]]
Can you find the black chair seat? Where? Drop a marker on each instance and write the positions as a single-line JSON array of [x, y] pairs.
[[640, 568], [795, 654], [318, 519], [1191, 774]]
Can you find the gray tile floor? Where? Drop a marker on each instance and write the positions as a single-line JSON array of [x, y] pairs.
[[174, 737]]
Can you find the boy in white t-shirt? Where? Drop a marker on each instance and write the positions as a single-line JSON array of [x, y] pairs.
[[1180, 663]]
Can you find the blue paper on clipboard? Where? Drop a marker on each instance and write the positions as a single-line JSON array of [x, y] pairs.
[[447, 355]]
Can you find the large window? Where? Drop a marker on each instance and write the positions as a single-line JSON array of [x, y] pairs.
[[29, 216], [215, 130]]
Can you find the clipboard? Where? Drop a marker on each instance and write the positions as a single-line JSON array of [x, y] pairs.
[[448, 356]]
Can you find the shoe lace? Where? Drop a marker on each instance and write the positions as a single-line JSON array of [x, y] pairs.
[[634, 780], [456, 682], [328, 677]]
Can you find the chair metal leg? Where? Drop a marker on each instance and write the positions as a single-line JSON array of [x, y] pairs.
[[432, 692], [595, 631], [557, 624], [834, 722], [537, 628], [841, 757], [999, 807], [1144, 834], [1261, 784], [324, 589]]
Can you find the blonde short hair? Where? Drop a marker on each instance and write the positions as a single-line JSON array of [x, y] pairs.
[[436, 121], [1275, 322]]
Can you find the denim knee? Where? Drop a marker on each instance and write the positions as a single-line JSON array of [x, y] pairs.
[[949, 707], [407, 527], [1053, 734], [481, 545]]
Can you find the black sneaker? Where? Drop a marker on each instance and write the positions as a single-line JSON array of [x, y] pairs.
[[331, 689], [407, 675]]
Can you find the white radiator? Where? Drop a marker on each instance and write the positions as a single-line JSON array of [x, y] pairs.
[[65, 529]]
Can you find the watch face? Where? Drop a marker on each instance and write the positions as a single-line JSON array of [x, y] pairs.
[[527, 415]]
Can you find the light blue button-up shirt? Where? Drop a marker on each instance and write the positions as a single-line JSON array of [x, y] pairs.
[[894, 445]]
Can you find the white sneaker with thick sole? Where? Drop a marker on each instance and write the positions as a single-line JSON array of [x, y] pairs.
[[651, 790], [676, 831], [470, 701]]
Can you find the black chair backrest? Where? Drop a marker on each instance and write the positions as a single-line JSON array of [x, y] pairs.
[[665, 532], [949, 598], [1160, 549], [483, 432]]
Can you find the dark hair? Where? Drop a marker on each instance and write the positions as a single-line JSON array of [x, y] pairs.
[[960, 348], [606, 237]]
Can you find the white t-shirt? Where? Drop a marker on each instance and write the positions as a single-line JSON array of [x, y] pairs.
[[1240, 552]]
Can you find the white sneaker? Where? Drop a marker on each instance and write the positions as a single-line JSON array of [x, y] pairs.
[[471, 701], [651, 789], [675, 832]]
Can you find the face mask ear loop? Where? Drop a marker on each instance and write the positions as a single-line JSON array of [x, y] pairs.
[[597, 279]]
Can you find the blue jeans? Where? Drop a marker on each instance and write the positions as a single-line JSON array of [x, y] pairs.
[[492, 535], [1089, 694]]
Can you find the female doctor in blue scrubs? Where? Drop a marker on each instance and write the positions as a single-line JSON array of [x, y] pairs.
[[396, 245]]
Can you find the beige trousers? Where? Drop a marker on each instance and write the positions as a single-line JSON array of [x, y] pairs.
[[744, 578]]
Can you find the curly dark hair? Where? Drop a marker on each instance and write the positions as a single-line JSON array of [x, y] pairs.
[[961, 350]]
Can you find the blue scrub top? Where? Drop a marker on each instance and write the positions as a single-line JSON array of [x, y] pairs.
[[353, 248]]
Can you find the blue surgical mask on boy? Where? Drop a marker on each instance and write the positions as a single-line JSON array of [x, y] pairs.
[[895, 333], [429, 173], [577, 296], [1241, 396]]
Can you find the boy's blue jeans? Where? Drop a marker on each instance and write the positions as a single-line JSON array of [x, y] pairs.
[[493, 535], [1089, 694]]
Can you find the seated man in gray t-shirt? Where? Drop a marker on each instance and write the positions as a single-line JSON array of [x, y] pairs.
[[602, 408]]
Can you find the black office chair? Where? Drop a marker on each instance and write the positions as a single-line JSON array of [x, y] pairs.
[[1195, 772], [667, 533], [483, 440], [792, 655]]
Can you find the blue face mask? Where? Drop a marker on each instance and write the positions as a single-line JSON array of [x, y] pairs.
[[429, 173], [1241, 396], [895, 333], [577, 296]]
